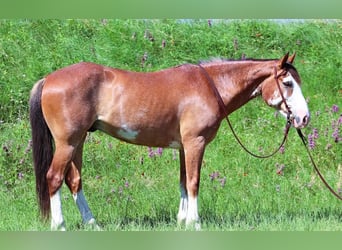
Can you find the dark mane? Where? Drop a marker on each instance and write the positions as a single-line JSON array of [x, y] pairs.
[[219, 59], [288, 66]]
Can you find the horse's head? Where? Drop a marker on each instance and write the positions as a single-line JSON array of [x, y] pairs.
[[289, 84]]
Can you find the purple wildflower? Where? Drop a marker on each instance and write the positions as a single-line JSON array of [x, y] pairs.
[[311, 141], [336, 135], [20, 176], [280, 168], [315, 133], [159, 151], [334, 108], [282, 149], [339, 121], [214, 175], [312, 138], [150, 152], [223, 181], [126, 184]]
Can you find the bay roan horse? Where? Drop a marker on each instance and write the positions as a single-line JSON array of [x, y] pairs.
[[172, 108]]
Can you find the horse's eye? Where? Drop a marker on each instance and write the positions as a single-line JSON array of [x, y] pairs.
[[288, 84]]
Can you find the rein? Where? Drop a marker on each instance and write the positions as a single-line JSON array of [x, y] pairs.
[[315, 166], [225, 113], [287, 128]]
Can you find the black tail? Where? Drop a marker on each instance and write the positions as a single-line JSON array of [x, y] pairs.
[[42, 148]]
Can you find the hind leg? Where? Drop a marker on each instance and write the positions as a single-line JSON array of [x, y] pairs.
[[60, 163], [74, 182], [183, 205]]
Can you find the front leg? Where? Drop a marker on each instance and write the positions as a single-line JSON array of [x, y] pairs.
[[193, 154]]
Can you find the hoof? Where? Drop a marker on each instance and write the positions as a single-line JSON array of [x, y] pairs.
[[91, 224]]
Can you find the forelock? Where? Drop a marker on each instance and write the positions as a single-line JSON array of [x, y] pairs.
[[293, 71]]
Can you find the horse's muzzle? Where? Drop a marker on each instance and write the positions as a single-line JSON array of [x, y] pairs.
[[301, 119]]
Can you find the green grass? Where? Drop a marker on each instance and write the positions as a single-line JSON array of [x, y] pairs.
[[128, 190]]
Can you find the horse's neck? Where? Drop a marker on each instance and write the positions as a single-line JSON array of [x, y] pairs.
[[236, 81]]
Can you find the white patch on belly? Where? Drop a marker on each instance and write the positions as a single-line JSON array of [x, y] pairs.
[[127, 133], [175, 144]]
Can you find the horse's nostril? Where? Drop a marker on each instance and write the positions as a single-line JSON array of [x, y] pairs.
[[305, 119]]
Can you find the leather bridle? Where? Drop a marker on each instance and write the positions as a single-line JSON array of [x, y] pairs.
[[287, 128]]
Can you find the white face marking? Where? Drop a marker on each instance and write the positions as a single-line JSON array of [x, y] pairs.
[[296, 100], [298, 104], [128, 134], [57, 221]]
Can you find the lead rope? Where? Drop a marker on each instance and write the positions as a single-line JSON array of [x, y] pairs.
[[315, 166], [223, 108]]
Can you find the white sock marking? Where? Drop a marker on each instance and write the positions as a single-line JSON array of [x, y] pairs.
[[192, 217], [183, 206], [57, 221]]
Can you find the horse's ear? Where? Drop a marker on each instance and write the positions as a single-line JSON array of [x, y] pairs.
[[291, 58], [283, 60]]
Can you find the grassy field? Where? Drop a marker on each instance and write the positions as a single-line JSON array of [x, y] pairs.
[[136, 188]]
